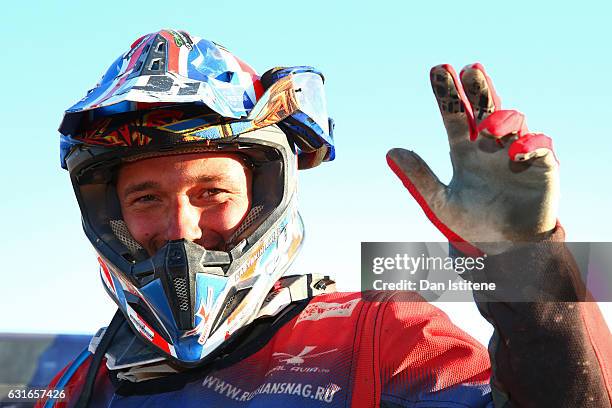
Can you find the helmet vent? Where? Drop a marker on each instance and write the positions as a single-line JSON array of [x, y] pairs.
[[231, 303], [121, 231], [180, 288], [155, 64], [248, 221], [160, 46]]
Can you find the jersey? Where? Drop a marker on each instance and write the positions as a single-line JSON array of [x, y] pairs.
[[347, 349], [333, 350]]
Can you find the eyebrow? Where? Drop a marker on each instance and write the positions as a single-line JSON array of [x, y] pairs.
[[135, 188], [151, 185]]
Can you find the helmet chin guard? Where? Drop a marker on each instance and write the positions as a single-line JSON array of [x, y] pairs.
[[186, 300]]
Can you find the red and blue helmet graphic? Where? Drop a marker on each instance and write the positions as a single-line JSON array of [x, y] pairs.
[[171, 67]]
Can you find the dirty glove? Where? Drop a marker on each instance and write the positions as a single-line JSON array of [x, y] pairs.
[[505, 189], [505, 183]]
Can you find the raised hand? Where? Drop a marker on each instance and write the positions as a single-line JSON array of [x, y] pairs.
[[505, 184]]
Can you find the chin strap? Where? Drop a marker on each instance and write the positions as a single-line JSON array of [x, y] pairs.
[[94, 366]]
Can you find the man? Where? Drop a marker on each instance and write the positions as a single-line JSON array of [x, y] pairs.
[[184, 164]]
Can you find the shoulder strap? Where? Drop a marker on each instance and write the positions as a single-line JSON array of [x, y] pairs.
[[98, 356]]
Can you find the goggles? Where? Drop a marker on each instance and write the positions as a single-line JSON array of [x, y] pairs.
[[295, 101]]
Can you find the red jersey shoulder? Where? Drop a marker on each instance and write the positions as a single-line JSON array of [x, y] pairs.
[[344, 307], [70, 380], [397, 341]]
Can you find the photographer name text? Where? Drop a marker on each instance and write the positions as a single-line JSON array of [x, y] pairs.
[[424, 284]]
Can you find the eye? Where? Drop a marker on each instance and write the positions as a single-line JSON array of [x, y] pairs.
[[211, 192], [145, 198]]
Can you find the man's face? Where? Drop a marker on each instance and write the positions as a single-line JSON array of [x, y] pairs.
[[200, 197]]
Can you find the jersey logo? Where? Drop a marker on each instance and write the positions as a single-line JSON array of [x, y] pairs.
[[323, 310], [301, 356]]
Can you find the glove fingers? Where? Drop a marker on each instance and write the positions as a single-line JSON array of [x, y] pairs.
[[533, 146], [480, 91], [504, 122], [453, 103]]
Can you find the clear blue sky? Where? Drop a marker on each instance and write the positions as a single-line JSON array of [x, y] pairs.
[[548, 59]]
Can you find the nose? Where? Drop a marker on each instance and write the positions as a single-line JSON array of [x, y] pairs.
[[184, 220]]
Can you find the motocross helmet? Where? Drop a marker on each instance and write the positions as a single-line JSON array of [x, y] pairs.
[[172, 93]]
